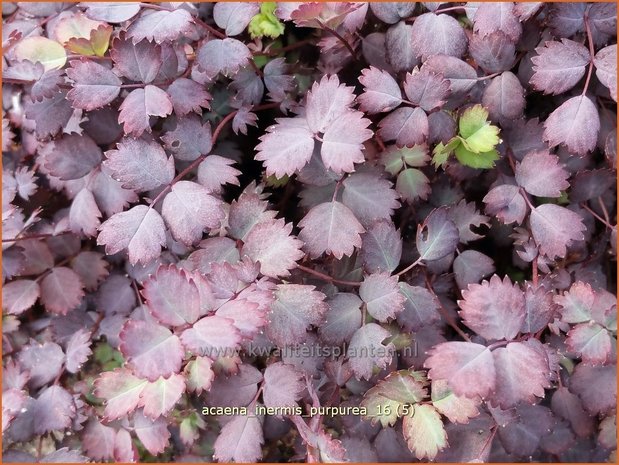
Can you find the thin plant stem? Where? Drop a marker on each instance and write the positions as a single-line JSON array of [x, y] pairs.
[[339, 37], [201, 158], [326, 277], [591, 50], [446, 316]]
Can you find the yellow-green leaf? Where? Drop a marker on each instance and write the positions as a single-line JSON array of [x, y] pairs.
[[266, 23], [424, 432], [476, 132], [393, 396], [48, 52]]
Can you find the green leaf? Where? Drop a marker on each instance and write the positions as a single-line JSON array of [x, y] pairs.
[[476, 133], [424, 432], [266, 23], [476, 160], [441, 152], [392, 397]]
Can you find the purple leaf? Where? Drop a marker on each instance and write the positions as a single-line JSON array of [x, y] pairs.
[[98, 440], [464, 215], [437, 236], [330, 227], [189, 139], [437, 35], [151, 350], [392, 12], [43, 362], [211, 336], [506, 203], [172, 297], [282, 386], [461, 76], [240, 440], [599, 397], [160, 26], [504, 98], [468, 368], [574, 124], [342, 142], [381, 247], [54, 409], [78, 350], [497, 16], [541, 174], [539, 309], [342, 318], [112, 12], [399, 47], [61, 290], [420, 307], [272, 244], [522, 437], [369, 197], [521, 375], [140, 105], [222, 56], [154, 435], [84, 214], [286, 147], [591, 342], [426, 89], [366, 350], [606, 68], [381, 92], [50, 115], [215, 171], [494, 53], [554, 228], [326, 101], [140, 230], [406, 126], [234, 17], [20, 295], [189, 209], [295, 308], [62, 161], [138, 62], [493, 309], [568, 405], [381, 295], [159, 397], [188, 96], [559, 66], [140, 165], [94, 85]]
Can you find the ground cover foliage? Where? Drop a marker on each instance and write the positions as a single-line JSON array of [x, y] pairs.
[[316, 232]]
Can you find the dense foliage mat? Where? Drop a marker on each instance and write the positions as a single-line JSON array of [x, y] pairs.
[[309, 232]]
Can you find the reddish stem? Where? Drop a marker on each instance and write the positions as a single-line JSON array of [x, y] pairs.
[[451, 8], [35, 236], [326, 277], [339, 37], [535, 272], [201, 158], [591, 50], [450, 321]]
